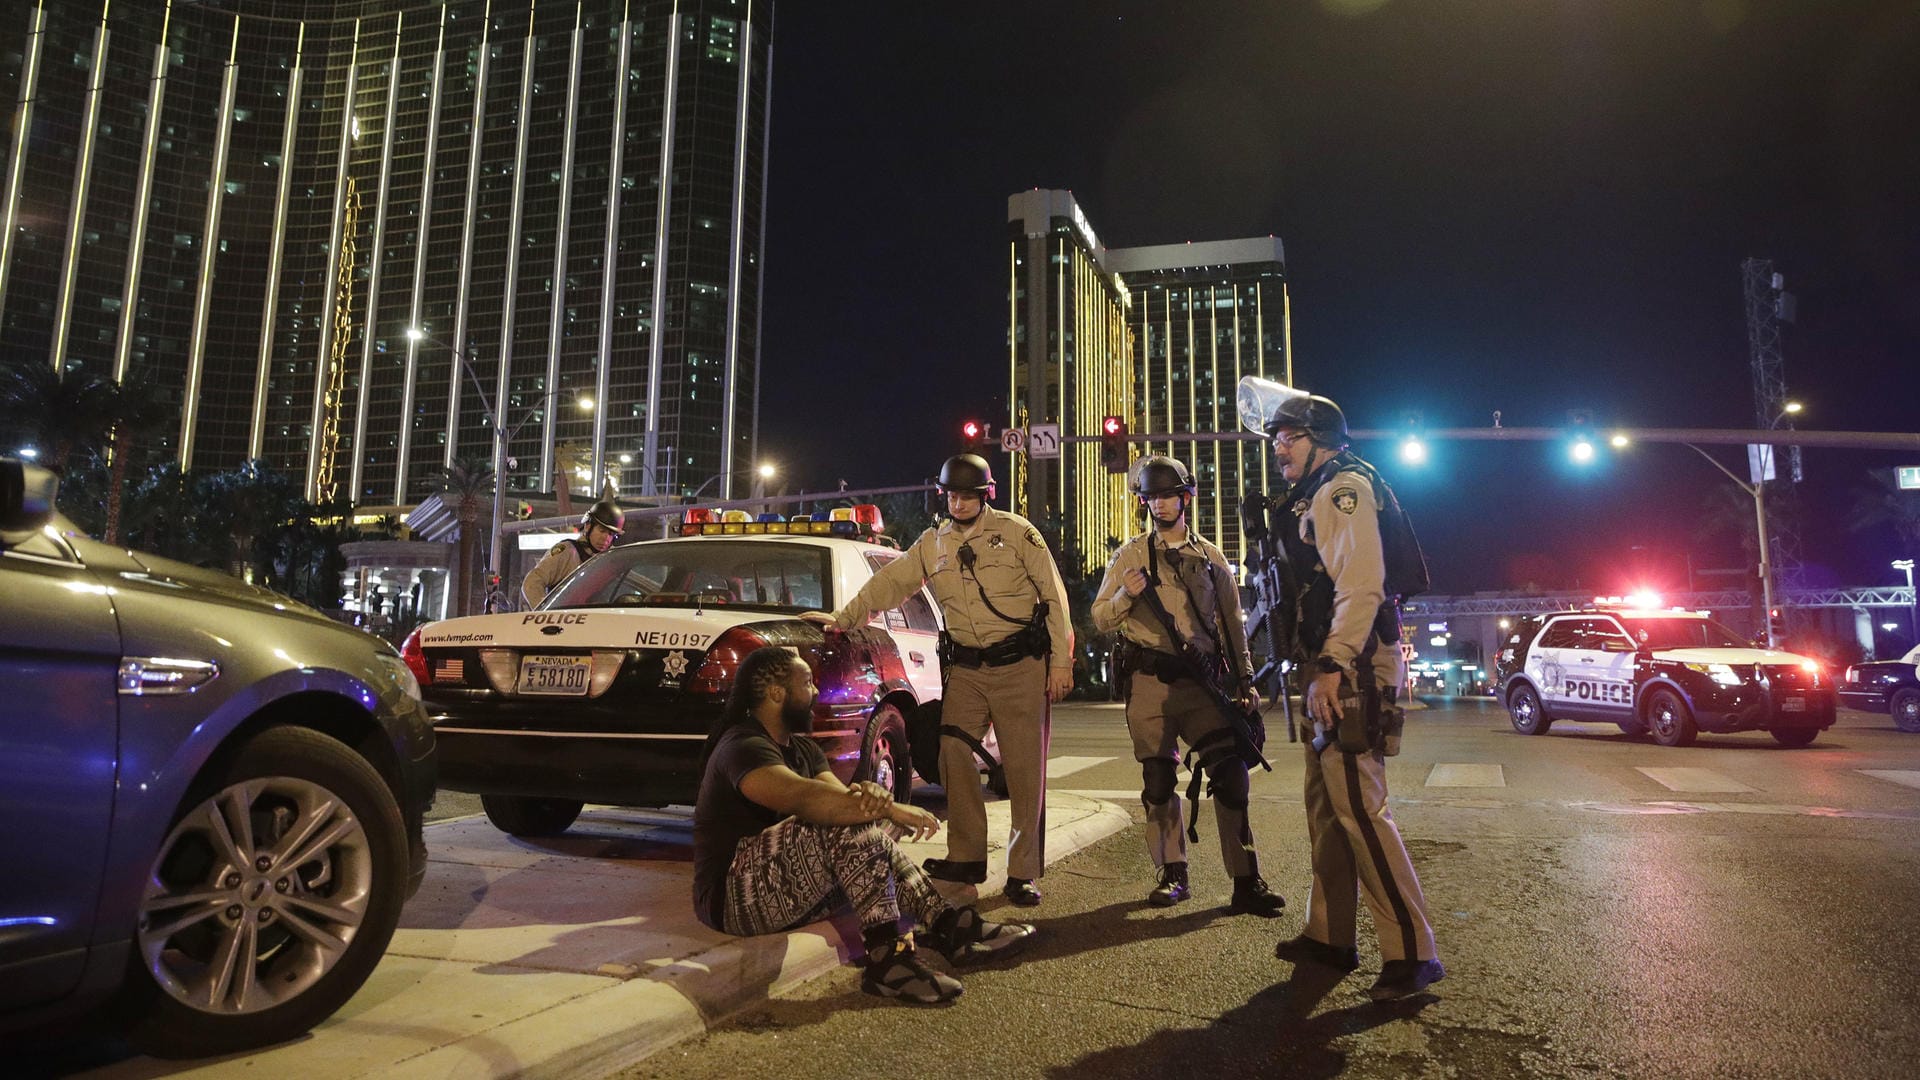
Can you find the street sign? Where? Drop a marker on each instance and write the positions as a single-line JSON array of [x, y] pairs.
[[1909, 477], [1012, 439], [1043, 441]]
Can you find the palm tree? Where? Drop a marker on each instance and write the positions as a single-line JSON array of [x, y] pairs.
[[1884, 502], [243, 506], [468, 483], [63, 414], [133, 410]]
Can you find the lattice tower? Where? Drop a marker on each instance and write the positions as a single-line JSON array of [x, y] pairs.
[[1764, 299]]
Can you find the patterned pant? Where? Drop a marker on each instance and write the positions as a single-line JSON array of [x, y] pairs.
[[795, 873]]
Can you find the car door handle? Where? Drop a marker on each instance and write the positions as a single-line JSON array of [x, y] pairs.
[[916, 658], [1586, 659]]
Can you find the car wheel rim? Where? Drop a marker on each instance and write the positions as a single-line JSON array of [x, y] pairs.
[[1663, 718], [255, 895], [883, 768], [1910, 711], [1523, 707]]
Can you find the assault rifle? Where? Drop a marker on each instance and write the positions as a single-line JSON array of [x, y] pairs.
[[1213, 674], [1271, 619]]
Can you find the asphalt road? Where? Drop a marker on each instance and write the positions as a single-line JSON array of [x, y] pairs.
[[1605, 907]]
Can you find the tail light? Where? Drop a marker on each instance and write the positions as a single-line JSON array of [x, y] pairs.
[[416, 658], [722, 662]]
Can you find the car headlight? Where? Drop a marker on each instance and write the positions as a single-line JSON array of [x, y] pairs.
[[1721, 674], [401, 674]]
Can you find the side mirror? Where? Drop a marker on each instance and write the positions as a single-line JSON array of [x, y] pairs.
[[26, 495]]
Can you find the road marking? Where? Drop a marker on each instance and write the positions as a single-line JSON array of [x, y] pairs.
[[1907, 777], [1692, 780], [1066, 766], [1467, 776]]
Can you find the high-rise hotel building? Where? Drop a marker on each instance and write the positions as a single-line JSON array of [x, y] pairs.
[[1157, 335], [253, 203]]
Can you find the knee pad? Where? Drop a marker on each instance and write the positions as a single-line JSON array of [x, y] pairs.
[[1230, 785], [1156, 781]]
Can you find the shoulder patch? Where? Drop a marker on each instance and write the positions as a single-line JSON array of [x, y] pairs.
[[558, 548], [1346, 499], [1034, 538]]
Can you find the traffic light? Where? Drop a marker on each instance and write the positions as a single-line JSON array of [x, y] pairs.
[[1776, 627], [1113, 444], [1413, 448], [973, 434], [1580, 445]]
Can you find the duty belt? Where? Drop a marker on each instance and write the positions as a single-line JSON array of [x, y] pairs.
[[1011, 650], [1166, 667]]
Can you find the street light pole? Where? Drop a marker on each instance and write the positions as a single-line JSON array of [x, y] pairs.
[[1758, 490]]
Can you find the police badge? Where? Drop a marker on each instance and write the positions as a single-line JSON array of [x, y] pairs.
[[1346, 500]]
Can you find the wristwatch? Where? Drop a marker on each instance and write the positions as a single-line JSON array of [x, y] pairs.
[[1328, 665]]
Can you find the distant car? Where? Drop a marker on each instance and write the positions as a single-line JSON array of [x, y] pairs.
[[605, 692], [1671, 674], [212, 795], [1890, 686]]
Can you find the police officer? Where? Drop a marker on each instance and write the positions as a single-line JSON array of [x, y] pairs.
[[1348, 638], [1165, 704], [990, 572], [599, 528]]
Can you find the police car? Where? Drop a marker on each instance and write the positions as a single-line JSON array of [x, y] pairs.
[[1889, 686], [605, 692], [1668, 673]]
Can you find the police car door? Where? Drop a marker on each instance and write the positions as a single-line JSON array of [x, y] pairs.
[[915, 630], [1613, 669], [1588, 690], [1546, 664]]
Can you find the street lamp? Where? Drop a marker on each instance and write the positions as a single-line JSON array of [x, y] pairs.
[[1758, 490], [762, 472], [496, 550]]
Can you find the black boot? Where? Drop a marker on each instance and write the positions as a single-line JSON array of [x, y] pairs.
[[967, 873], [1252, 897], [1173, 886]]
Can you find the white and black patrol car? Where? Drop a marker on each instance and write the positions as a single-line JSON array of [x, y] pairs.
[[1888, 686], [1668, 673], [605, 691]]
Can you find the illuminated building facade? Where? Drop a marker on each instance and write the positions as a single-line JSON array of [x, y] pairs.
[[254, 203], [1157, 335], [1071, 358], [1203, 315]]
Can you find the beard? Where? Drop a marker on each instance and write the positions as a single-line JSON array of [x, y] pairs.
[[797, 718]]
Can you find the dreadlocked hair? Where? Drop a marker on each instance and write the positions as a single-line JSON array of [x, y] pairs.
[[763, 669]]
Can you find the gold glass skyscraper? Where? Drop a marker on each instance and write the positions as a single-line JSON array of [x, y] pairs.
[[1159, 336]]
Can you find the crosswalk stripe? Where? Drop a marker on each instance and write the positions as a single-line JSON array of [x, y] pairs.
[[1676, 779], [1467, 776], [1066, 766], [1907, 777]]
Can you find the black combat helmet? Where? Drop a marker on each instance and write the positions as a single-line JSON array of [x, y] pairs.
[[1160, 475], [606, 514], [968, 473], [1320, 417]]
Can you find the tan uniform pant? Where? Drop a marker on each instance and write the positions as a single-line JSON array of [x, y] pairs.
[[1159, 716], [1357, 849], [1012, 699]]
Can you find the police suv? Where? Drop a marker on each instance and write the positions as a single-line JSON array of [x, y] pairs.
[[605, 691], [1668, 673]]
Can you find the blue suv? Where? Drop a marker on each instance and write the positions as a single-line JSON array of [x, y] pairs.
[[212, 795]]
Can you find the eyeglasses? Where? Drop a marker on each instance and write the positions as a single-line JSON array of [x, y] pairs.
[[1285, 439]]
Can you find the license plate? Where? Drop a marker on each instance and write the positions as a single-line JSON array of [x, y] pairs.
[[566, 675], [1794, 704]]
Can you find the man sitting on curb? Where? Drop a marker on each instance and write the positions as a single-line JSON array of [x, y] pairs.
[[779, 842]]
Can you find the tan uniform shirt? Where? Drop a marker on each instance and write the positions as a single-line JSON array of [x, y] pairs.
[[1343, 523], [1010, 562], [560, 560], [1197, 589]]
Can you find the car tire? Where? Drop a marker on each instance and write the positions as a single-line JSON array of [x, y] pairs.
[[1523, 706], [528, 816], [1905, 708], [884, 759], [1795, 736], [315, 928], [1633, 729], [1669, 720]]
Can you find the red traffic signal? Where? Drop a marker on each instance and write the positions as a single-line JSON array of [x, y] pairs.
[[972, 430], [1113, 444]]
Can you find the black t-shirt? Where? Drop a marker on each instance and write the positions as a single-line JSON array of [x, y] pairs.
[[722, 817]]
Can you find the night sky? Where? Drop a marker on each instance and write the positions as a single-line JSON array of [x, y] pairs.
[[1523, 205]]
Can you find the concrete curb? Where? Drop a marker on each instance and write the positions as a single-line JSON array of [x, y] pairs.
[[519, 960]]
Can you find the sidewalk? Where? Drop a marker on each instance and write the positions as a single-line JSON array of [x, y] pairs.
[[574, 956]]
